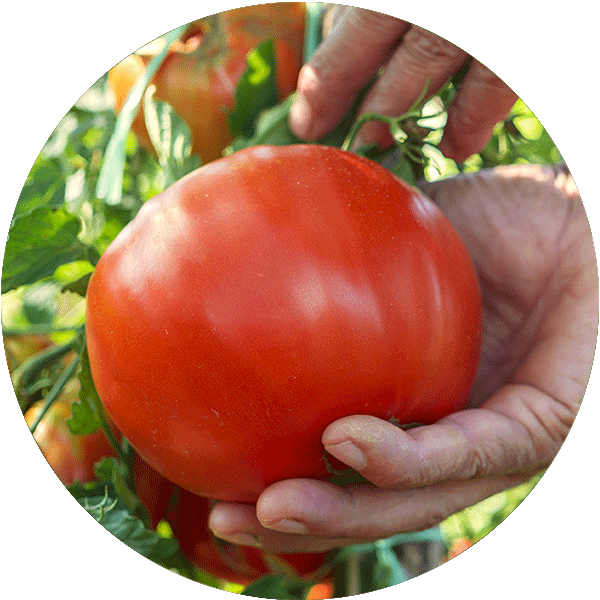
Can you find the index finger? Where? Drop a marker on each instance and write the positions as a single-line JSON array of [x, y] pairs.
[[359, 44]]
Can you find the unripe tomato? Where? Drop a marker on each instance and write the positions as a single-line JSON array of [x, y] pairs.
[[71, 457], [187, 514], [200, 74], [267, 294]]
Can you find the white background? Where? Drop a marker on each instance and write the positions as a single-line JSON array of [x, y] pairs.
[[53, 52]]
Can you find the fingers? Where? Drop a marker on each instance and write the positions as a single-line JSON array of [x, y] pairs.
[[358, 45], [470, 444], [312, 516], [483, 100], [360, 42], [239, 524], [422, 56]]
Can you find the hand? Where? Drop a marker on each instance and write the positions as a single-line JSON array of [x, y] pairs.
[[527, 232], [362, 41]]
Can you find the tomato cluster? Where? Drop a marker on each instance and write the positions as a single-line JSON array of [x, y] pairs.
[[266, 295]]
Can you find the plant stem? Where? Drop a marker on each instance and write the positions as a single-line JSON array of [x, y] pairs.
[[350, 138], [56, 389]]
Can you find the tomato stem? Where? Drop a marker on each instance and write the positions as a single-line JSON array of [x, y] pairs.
[[407, 133], [55, 390]]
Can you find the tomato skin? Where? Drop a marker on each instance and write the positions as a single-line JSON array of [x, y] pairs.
[[200, 82], [187, 514], [268, 294], [71, 457]]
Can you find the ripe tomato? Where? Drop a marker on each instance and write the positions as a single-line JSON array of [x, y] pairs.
[[264, 296], [187, 514], [283, 20], [458, 546], [71, 457], [199, 77]]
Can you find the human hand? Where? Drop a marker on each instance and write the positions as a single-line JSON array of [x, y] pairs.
[[359, 43], [528, 235]]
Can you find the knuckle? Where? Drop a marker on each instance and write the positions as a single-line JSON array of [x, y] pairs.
[[426, 47]]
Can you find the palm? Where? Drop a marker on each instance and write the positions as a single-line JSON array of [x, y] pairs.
[[532, 250], [526, 230]]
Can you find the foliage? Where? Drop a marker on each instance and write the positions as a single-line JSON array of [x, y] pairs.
[[91, 178]]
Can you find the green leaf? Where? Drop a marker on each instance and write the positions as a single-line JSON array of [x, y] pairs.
[[86, 414], [110, 179], [171, 138], [271, 128], [79, 286], [256, 90], [38, 243], [128, 529], [40, 303], [45, 186], [110, 469], [282, 588]]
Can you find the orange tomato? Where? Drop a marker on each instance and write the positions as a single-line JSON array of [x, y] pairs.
[[200, 74]]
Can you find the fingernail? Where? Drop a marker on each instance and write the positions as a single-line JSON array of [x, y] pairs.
[[288, 526], [348, 453], [241, 539], [301, 117]]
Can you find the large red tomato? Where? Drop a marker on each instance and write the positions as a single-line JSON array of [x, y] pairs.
[[187, 514], [71, 457], [264, 296], [200, 74]]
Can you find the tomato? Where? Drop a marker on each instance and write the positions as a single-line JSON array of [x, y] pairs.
[[187, 514], [458, 546], [267, 294], [199, 77], [71, 457], [321, 591], [283, 20]]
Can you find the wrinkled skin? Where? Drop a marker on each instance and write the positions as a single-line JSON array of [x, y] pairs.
[[358, 44], [529, 237]]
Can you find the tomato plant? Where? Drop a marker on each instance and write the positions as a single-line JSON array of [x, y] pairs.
[[19, 348], [199, 75], [187, 515], [264, 296], [71, 457]]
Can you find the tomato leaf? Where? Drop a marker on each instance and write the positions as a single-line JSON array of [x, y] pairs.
[[128, 529], [256, 89], [38, 243], [40, 303], [283, 588], [86, 414], [110, 469], [45, 186], [171, 138], [271, 128], [110, 179]]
